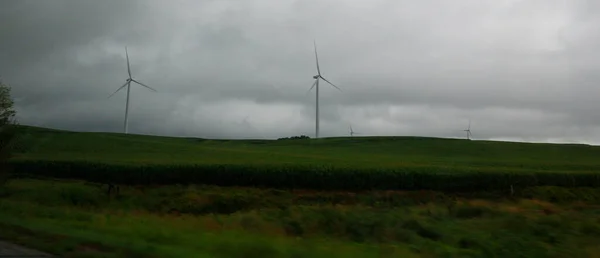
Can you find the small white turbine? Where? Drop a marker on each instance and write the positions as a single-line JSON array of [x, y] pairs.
[[468, 130], [128, 84], [316, 83], [352, 132]]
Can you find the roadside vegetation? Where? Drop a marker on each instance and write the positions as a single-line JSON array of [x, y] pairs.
[[77, 219]]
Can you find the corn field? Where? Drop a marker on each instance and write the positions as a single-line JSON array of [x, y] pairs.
[[307, 177]]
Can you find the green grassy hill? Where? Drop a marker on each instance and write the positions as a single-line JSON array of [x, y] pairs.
[[41, 143], [390, 155]]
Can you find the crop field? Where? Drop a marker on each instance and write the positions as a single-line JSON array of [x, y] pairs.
[[347, 197], [345, 163]]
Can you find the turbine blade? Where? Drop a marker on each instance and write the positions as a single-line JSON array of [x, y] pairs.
[[128, 68], [317, 58], [314, 83], [330, 83], [469, 124], [117, 90], [143, 84]]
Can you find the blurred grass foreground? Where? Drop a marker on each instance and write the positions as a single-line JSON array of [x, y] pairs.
[[331, 197]]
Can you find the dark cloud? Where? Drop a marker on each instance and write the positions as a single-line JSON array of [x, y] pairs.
[[520, 70]]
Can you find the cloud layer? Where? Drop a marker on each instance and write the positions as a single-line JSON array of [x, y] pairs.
[[519, 70]]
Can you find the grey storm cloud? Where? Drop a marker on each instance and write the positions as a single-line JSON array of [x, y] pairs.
[[519, 70]]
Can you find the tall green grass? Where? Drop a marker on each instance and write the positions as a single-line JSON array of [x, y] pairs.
[[74, 219]]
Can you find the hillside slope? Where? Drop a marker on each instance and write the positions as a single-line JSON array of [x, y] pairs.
[[47, 144]]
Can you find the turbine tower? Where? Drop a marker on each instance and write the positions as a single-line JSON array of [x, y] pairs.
[[316, 84], [468, 130], [128, 84]]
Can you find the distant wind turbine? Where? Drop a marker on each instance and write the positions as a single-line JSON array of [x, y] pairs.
[[316, 83], [128, 84], [352, 132], [468, 130]]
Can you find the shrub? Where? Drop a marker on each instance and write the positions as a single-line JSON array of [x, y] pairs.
[[7, 130], [295, 137]]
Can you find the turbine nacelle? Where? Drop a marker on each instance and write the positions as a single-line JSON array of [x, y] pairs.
[[316, 77]]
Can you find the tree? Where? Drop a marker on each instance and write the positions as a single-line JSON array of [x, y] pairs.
[[7, 129]]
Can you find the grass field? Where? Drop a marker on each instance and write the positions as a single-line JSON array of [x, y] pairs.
[[359, 163], [368, 152], [340, 197]]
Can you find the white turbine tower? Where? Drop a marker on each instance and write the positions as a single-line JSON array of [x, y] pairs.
[[468, 130], [128, 84], [316, 83]]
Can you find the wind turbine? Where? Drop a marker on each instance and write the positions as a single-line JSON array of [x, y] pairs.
[[468, 130], [352, 133], [316, 83], [128, 84]]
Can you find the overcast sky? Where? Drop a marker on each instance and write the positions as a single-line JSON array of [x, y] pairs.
[[526, 70]]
